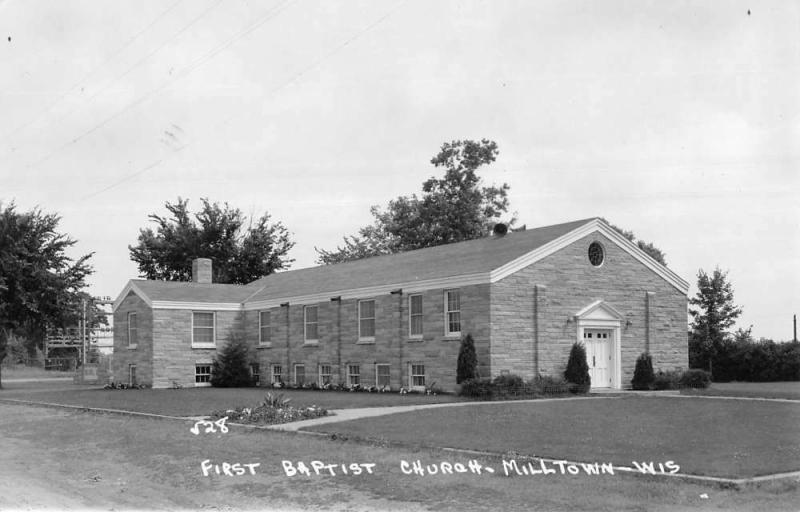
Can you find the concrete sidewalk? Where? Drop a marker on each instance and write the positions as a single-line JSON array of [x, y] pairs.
[[338, 415]]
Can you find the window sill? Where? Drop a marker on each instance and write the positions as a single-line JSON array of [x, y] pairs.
[[132, 347], [416, 340], [313, 343], [452, 336], [202, 384], [367, 341], [264, 345], [204, 345]]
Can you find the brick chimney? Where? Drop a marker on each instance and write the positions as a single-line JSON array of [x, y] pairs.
[[201, 270]]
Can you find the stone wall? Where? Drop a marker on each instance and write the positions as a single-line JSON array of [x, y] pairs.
[[142, 354], [559, 286], [339, 345]]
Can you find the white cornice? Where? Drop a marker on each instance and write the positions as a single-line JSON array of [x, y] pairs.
[[197, 306], [372, 291]]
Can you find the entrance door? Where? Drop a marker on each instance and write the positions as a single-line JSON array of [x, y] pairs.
[[598, 356]]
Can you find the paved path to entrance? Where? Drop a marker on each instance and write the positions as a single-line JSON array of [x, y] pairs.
[[338, 415]]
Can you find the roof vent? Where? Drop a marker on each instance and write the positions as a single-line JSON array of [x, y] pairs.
[[499, 229]]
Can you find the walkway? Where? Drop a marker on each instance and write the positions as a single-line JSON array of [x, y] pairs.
[[338, 415]]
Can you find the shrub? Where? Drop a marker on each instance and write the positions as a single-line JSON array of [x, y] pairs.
[[508, 380], [230, 368], [477, 388], [667, 380], [643, 376], [695, 378], [467, 360], [577, 372]]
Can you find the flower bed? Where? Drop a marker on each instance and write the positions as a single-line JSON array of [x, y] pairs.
[[275, 409]]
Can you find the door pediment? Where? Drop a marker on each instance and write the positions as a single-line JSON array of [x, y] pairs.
[[598, 310]]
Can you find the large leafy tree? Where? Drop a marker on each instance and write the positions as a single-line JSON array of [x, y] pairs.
[[713, 313], [40, 286], [242, 249], [648, 247], [452, 208]]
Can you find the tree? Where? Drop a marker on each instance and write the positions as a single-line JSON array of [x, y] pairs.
[[231, 368], [651, 250], [39, 284], [577, 371], [643, 376], [713, 312], [467, 367], [453, 208], [242, 250]]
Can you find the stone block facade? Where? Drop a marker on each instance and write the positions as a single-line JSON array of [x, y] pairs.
[[533, 311], [339, 347]]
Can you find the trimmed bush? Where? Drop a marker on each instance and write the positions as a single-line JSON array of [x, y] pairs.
[[695, 378], [667, 380], [508, 380], [231, 367], [577, 372], [477, 388], [467, 366], [643, 375]]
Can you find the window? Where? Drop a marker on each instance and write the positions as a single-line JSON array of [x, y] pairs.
[[353, 374], [417, 374], [264, 328], [255, 372], [596, 254], [203, 328], [415, 316], [310, 319], [382, 375], [202, 375], [366, 320], [133, 330], [299, 374], [324, 374], [452, 313], [131, 374], [277, 374]]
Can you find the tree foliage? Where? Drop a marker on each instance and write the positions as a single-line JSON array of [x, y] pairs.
[[648, 247], [452, 208], [231, 367], [242, 250], [39, 284], [467, 366], [713, 313]]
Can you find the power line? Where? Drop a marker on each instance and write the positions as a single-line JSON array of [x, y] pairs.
[[273, 12], [316, 63], [105, 62], [175, 36]]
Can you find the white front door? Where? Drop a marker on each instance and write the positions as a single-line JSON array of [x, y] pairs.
[[598, 356]]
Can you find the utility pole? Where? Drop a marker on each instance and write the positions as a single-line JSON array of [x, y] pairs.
[[83, 334], [794, 317]]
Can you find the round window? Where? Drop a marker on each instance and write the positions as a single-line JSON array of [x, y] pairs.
[[596, 254]]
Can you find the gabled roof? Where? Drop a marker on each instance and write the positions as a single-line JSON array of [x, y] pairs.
[[478, 261], [470, 258]]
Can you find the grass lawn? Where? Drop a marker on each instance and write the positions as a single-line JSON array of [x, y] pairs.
[[62, 460], [202, 401], [726, 438], [31, 372], [787, 390]]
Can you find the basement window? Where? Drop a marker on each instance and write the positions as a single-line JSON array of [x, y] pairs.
[[202, 375]]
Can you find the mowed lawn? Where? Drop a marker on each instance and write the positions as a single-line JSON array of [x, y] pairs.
[[202, 401], [704, 436], [784, 390]]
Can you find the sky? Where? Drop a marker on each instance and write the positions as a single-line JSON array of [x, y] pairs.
[[679, 121]]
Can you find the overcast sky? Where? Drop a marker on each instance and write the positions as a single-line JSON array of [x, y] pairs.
[[676, 120]]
